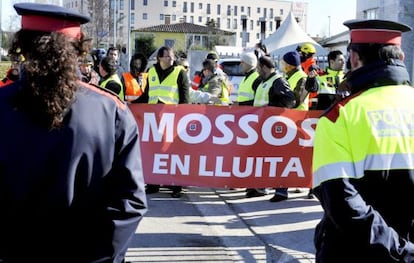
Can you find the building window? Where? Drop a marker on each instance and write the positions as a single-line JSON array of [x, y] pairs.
[[192, 7], [235, 10], [174, 3], [235, 23], [371, 14], [200, 5], [184, 18], [144, 16], [192, 19], [200, 19], [132, 20], [271, 25], [121, 5], [251, 25], [218, 9], [229, 10], [271, 15], [248, 11], [218, 25], [174, 17], [162, 17], [185, 7], [258, 10], [208, 9], [144, 2], [165, 2], [169, 43], [121, 18], [281, 12], [228, 23], [132, 5], [264, 12]]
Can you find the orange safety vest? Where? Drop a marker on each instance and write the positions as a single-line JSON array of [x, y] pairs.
[[133, 90], [305, 66], [195, 82]]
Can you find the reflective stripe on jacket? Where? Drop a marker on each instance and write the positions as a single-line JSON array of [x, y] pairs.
[[354, 151], [246, 92], [261, 97], [166, 91], [329, 81], [293, 81], [133, 89], [115, 78]]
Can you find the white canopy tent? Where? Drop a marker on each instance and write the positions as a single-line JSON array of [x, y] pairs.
[[287, 37]]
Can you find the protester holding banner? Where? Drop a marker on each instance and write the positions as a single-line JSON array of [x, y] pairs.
[[167, 84], [301, 84], [214, 83], [274, 90], [363, 163], [250, 81], [245, 96]]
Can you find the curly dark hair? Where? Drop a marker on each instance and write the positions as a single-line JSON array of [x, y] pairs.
[[49, 75]]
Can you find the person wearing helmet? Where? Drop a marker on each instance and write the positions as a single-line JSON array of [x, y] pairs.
[[307, 53]]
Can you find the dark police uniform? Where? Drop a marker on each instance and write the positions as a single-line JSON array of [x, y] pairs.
[[363, 161], [74, 194]]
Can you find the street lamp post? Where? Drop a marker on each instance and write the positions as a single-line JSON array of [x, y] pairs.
[[129, 30], [329, 26], [115, 22]]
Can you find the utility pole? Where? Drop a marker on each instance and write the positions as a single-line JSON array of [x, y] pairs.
[[129, 31], [115, 23], [329, 26]]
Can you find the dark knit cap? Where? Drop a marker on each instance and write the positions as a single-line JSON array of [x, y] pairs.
[[292, 58]]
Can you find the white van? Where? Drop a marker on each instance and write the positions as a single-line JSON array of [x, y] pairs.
[[231, 66]]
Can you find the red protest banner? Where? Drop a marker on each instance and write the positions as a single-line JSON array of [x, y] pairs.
[[226, 146]]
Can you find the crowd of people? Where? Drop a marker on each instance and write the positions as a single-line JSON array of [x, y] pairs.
[[81, 191]]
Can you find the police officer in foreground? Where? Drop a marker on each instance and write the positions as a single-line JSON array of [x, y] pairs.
[[363, 165], [71, 180]]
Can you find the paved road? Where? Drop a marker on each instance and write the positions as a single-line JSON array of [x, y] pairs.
[[220, 225]]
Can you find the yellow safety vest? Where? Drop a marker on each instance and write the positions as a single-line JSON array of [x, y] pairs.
[[245, 92], [115, 78], [328, 82], [225, 98], [167, 90], [362, 135], [261, 97], [293, 81]]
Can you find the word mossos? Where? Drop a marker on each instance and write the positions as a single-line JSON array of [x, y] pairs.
[[165, 129]]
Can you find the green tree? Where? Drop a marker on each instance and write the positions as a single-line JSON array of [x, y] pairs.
[[144, 45], [99, 28]]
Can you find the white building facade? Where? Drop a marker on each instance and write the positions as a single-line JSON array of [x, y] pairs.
[[395, 10], [252, 21]]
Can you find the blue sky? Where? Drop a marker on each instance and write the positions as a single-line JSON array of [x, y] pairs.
[[319, 12]]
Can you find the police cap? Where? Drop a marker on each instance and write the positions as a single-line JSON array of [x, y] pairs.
[[376, 31], [50, 18]]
